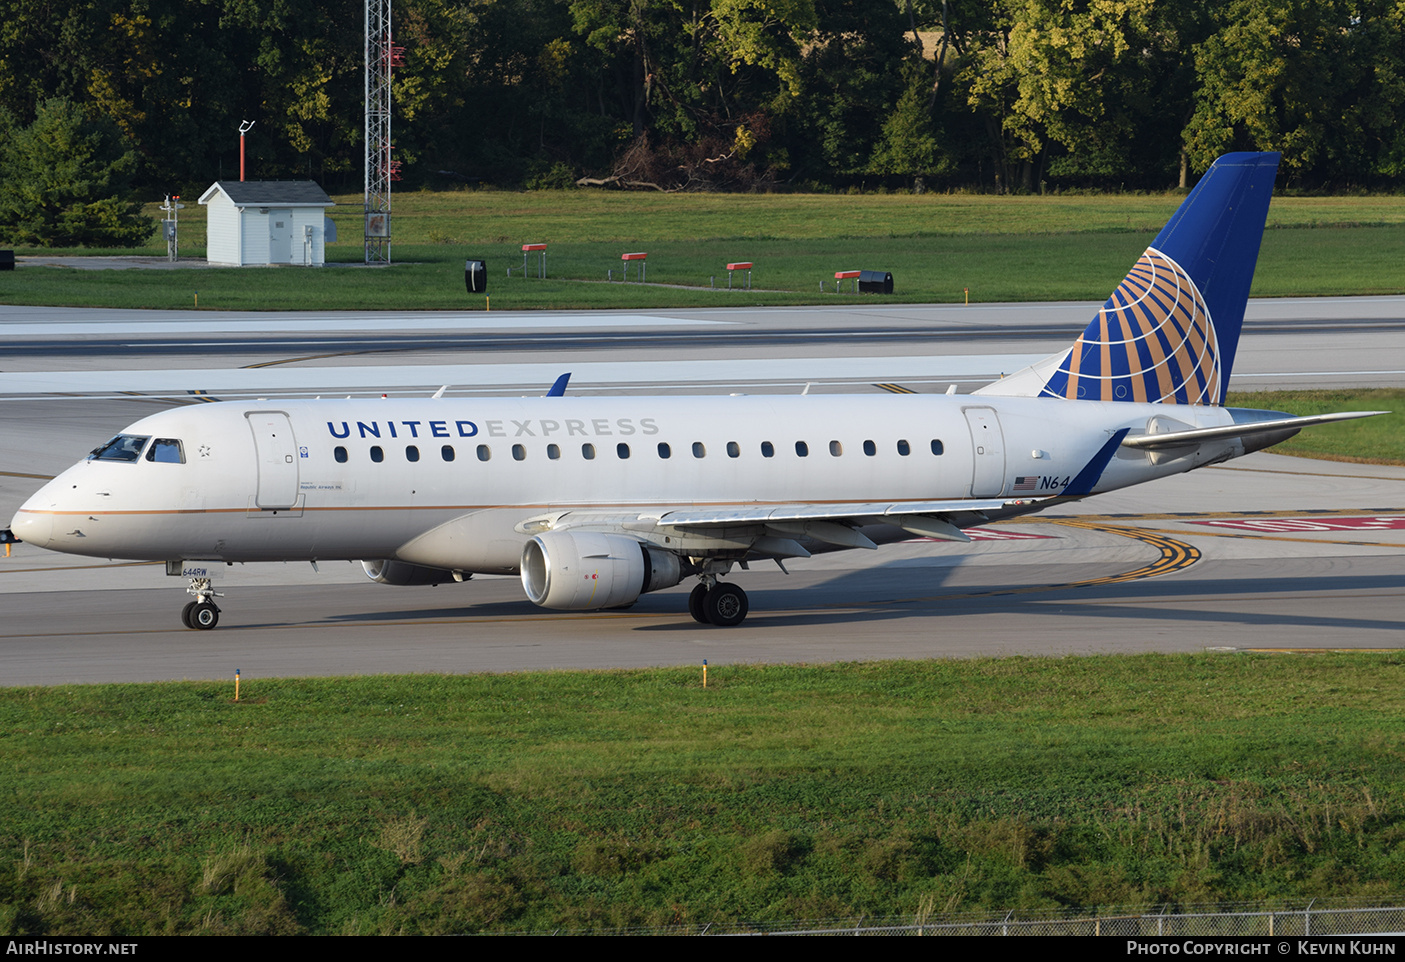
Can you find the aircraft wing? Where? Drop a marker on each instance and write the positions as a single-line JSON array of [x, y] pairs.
[[770, 528]]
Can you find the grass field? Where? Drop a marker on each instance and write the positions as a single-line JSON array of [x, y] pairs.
[[605, 800], [938, 247], [601, 801]]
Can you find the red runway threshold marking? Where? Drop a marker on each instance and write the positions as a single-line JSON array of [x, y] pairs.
[[995, 534], [1365, 523]]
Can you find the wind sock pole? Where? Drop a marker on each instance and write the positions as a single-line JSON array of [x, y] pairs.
[[244, 127]]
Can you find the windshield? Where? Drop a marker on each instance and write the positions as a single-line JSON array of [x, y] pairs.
[[167, 450], [124, 447]]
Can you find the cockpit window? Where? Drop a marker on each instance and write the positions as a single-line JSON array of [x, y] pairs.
[[167, 450], [124, 447]]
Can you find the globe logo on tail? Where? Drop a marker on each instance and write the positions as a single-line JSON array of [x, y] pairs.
[[1153, 340]]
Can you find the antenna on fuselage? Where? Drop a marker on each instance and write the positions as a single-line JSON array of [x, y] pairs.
[[440, 393]]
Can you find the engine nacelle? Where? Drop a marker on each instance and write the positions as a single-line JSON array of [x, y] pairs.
[[386, 572], [584, 570]]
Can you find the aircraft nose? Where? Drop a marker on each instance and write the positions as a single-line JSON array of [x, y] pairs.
[[33, 527], [33, 523]]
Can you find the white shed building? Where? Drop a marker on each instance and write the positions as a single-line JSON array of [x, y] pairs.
[[267, 222]]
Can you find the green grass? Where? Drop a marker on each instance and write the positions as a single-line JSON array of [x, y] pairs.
[[1378, 440], [937, 246], [608, 799]]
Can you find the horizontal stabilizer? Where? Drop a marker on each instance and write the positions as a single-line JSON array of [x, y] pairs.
[[1175, 439]]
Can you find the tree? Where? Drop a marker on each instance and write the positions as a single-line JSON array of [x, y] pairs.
[[1322, 81], [64, 183]]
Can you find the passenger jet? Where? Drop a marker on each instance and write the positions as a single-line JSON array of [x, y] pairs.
[[594, 501]]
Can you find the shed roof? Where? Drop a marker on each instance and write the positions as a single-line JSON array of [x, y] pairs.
[[270, 193]]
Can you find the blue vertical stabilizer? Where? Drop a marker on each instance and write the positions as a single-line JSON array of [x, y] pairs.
[[1169, 332]]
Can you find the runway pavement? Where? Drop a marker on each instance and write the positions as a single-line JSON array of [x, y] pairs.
[[1264, 552]]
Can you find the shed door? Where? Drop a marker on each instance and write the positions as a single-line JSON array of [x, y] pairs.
[[988, 447], [277, 457], [280, 236]]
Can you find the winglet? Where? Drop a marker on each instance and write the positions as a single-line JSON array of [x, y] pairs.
[[1082, 485], [559, 388]]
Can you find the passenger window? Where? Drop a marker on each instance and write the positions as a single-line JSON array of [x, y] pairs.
[[665, 451], [622, 450], [553, 451], [937, 447], [484, 452], [904, 449], [339, 453], [124, 447], [802, 450], [447, 452], [377, 455], [699, 451], [412, 453], [166, 451], [519, 453], [768, 450], [588, 452], [734, 450], [835, 449], [869, 448]]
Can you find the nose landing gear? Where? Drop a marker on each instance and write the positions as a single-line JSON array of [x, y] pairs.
[[202, 613]]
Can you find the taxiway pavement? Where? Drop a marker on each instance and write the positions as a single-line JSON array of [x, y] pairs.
[[1264, 552]]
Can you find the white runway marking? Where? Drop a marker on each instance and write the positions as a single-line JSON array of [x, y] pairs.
[[289, 378], [339, 324], [1237, 375]]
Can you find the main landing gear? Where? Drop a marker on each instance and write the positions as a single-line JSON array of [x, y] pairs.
[[202, 613], [715, 603]]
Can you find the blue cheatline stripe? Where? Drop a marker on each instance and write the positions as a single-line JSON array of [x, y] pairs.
[[1092, 471]]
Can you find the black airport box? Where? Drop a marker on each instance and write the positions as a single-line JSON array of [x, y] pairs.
[[475, 276], [875, 282]]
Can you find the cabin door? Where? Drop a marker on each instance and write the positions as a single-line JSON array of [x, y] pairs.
[[277, 459], [988, 450]]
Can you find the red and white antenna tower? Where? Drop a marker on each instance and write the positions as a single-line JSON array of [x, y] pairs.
[[381, 56]]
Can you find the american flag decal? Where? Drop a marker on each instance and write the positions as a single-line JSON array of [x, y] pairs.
[[1026, 483]]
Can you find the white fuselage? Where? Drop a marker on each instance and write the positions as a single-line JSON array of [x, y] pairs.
[[359, 479]]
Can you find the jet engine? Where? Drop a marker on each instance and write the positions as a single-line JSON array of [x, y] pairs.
[[385, 572], [583, 570]]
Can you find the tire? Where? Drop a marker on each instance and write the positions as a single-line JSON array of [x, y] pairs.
[[695, 605], [185, 614], [204, 616], [726, 605]]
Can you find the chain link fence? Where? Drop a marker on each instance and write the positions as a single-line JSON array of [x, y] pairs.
[[1318, 917]]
